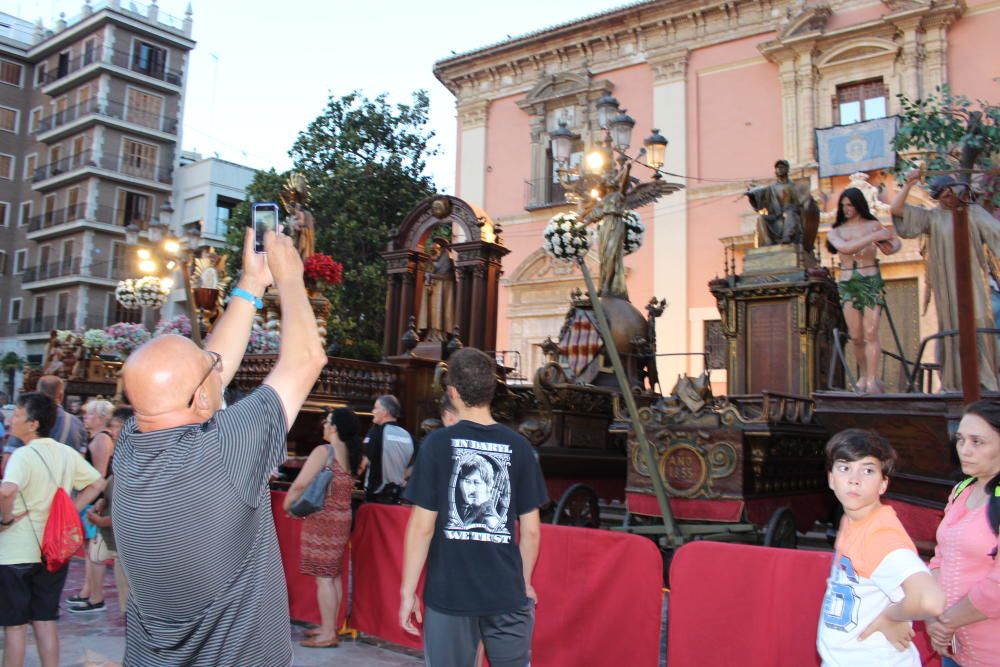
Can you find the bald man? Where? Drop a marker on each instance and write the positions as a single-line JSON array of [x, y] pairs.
[[68, 428], [192, 511]]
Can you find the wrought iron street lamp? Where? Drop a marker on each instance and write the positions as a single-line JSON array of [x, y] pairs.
[[605, 192]]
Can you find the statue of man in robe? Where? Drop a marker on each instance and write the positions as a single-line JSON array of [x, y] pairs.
[[784, 211], [984, 235], [437, 309]]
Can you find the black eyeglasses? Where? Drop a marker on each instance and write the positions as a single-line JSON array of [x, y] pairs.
[[216, 360]]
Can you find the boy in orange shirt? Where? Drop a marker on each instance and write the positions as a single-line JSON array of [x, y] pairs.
[[878, 585]]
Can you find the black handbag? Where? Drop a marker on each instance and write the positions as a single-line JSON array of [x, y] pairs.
[[315, 494]]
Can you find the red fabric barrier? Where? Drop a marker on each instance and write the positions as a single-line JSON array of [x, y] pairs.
[[806, 509], [687, 508], [921, 523], [732, 604], [599, 592], [302, 605]]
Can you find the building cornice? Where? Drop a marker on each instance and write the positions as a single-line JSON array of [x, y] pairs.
[[629, 35]]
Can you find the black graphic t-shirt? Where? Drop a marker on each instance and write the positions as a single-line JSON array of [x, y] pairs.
[[478, 479]]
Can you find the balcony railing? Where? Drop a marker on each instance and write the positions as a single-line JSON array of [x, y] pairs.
[[57, 217], [140, 168], [117, 58], [111, 109], [68, 267], [37, 324], [542, 192], [130, 166], [68, 163], [46, 323]]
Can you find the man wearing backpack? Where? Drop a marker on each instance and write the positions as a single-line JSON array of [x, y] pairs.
[[29, 593]]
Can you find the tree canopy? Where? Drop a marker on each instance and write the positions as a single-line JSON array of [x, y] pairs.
[[951, 133], [364, 160]]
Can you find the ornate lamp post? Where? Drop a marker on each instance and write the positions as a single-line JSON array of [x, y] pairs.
[[171, 253], [604, 192]]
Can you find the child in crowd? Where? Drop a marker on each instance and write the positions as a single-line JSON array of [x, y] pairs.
[[878, 585]]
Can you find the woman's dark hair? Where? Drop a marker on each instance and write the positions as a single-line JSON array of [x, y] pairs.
[[989, 411], [860, 204], [40, 408], [348, 428]]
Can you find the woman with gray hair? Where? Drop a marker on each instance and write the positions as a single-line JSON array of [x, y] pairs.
[[100, 449]]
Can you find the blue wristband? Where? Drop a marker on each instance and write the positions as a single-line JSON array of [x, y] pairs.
[[243, 294]]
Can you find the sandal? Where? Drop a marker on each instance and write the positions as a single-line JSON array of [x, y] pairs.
[[316, 643]]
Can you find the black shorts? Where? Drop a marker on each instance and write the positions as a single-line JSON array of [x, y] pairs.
[[451, 641], [29, 592]]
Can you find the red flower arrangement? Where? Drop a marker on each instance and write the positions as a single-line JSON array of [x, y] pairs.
[[321, 268]]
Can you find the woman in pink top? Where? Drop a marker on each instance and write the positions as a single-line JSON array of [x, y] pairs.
[[965, 561]]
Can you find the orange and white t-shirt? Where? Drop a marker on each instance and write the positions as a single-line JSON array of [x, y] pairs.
[[872, 559]]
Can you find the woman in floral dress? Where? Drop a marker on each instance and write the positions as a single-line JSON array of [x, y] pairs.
[[325, 533]]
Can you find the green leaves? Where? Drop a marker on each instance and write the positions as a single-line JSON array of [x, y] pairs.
[[949, 132], [364, 160]]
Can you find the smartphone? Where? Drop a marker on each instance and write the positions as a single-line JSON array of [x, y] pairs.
[[265, 217]]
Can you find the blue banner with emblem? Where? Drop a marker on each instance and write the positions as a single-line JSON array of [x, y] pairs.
[[845, 149]]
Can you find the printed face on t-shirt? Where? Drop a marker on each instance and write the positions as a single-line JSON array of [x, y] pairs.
[[474, 489]]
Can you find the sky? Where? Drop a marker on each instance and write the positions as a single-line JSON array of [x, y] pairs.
[[261, 71]]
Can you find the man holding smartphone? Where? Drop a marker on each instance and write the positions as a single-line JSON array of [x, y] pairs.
[[192, 511]]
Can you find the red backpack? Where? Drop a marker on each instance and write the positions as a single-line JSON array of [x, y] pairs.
[[63, 535]]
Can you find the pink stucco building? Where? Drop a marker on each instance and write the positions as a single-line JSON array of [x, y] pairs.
[[734, 85]]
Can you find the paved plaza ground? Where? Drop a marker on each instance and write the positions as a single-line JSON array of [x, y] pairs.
[[98, 639]]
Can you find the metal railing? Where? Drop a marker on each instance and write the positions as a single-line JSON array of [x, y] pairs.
[[36, 324], [118, 58], [140, 168], [57, 217], [542, 192], [60, 269], [130, 166], [111, 109], [61, 166]]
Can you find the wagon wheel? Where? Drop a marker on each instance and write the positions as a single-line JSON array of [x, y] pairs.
[[780, 531], [578, 507]]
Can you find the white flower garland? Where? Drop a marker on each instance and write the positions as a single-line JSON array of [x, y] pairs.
[[566, 237], [125, 294], [634, 231], [150, 292]]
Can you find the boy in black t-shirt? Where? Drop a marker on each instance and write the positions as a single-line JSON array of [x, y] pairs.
[[470, 483]]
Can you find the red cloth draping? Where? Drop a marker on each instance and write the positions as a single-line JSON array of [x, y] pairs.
[[302, 605], [687, 508], [806, 509], [921, 523], [732, 604], [599, 591]]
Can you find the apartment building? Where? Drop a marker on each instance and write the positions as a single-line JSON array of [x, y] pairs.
[[90, 131]]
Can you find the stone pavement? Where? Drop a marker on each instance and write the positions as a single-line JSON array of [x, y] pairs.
[[98, 639]]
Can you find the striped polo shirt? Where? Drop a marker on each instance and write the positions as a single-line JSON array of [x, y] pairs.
[[192, 517]]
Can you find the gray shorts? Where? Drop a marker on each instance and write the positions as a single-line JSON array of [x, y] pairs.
[[451, 641]]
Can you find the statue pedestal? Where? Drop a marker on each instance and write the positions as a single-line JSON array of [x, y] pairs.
[[778, 324], [774, 258]]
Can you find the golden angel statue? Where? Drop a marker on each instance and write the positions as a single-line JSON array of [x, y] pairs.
[[295, 199]]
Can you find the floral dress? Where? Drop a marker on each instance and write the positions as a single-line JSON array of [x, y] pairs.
[[325, 533]]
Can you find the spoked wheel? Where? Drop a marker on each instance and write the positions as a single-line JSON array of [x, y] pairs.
[[780, 531], [578, 507]]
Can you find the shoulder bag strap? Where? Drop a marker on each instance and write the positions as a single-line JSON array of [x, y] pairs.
[[961, 486]]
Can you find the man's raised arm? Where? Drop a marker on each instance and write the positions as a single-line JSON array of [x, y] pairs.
[[300, 355], [232, 332]]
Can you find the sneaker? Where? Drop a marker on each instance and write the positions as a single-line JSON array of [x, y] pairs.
[[77, 599], [86, 607]]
